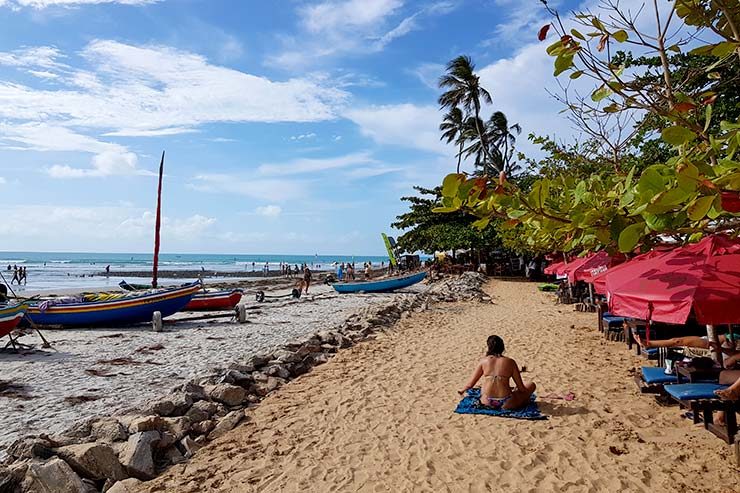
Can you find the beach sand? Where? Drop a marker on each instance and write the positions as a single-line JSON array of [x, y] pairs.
[[93, 372], [379, 416]]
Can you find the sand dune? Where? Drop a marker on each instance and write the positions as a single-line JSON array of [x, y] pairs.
[[378, 417]]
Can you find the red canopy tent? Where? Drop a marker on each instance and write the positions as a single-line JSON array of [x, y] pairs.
[[667, 286], [599, 279], [572, 266], [594, 264], [551, 269]]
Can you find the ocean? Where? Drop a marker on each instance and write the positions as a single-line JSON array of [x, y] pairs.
[[53, 270]]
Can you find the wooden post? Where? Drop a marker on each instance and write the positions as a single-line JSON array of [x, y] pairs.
[[157, 321], [241, 311], [713, 338]]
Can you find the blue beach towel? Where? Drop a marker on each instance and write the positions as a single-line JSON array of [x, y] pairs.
[[470, 404]]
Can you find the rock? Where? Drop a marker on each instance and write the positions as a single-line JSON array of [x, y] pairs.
[[12, 476], [189, 447], [285, 356], [146, 423], [307, 349], [108, 430], [228, 394], [129, 485], [162, 407], [328, 348], [203, 427], [320, 358], [299, 369], [93, 460], [54, 476], [31, 448], [194, 391], [197, 414], [259, 377], [175, 404], [259, 360], [226, 424], [326, 336], [236, 377], [277, 370], [174, 456], [272, 383], [253, 398], [166, 440], [244, 368], [343, 342], [208, 407], [136, 456], [178, 426], [201, 440]]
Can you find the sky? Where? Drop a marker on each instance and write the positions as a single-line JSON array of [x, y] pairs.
[[290, 127]]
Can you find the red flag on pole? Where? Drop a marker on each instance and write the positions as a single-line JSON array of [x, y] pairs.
[[157, 224]]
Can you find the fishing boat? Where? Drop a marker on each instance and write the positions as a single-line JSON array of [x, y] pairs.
[[10, 317], [379, 285], [108, 310], [215, 300]]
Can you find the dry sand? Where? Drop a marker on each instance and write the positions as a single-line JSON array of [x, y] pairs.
[[378, 417], [79, 378]]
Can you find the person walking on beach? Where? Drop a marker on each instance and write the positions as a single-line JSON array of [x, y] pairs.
[[306, 278], [15, 275], [107, 270], [497, 371]]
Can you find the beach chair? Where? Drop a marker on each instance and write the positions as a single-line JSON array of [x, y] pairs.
[[652, 379], [700, 398]]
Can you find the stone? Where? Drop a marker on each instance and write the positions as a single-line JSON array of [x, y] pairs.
[[194, 391], [321, 358], [259, 377], [177, 426], [328, 348], [209, 407], [226, 424], [174, 456], [137, 457], [166, 440], [108, 430], [343, 342], [272, 383], [129, 485], [259, 360], [93, 460], [203, 427], [236, 377], [326, 336], [307, 349], [299, 369], [277, 370], [31, 448], [285, 356], [162, 407], [244, 368], [53, 476], [189, 447], [228, 394], [146, 423], [12, 476]]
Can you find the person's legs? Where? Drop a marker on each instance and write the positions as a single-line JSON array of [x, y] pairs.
[[520, 397], [731, 393], [688, 341]]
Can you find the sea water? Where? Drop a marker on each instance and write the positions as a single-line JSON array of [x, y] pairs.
[[51, 270]]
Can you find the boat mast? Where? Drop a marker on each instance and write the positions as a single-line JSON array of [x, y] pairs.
[[157, 224]]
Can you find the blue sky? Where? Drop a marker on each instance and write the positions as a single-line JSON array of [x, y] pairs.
[[290, 126]]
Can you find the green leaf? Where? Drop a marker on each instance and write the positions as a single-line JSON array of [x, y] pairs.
[[481, 223], [620, 36], [702, 50], [707, 117], [699, 207], [723, 49], [451, 184], [600, 93], [562, 63], [657, 222], [677, 135], [444, 210], [688, 177], [578, 35], [671, 197], [576, 74], [555, 48], [630, 237], [674, 48]]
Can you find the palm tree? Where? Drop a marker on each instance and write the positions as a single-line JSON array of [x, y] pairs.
[[453, 128], [464, 90], [502, 135]]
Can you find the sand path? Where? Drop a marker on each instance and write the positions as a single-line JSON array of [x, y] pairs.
[[378, 417]]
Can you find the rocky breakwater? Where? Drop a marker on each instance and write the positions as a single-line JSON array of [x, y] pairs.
[[115, 453]]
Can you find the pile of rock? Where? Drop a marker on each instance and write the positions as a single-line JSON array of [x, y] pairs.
[[114, 453]]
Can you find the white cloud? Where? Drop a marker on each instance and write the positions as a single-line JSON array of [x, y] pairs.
[[3, 181], [109, 163], [157, 88], [405, 125], [429, 73], [336, 27], [306, 165], [278, 190], [269, 210], [370, 171], [44, 137], [43, 74], [309, 135], [130, 132]]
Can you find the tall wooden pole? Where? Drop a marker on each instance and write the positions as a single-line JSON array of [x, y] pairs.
[[157, 224]]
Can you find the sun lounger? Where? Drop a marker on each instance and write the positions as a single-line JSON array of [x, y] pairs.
[[651, 379], [700, 398]]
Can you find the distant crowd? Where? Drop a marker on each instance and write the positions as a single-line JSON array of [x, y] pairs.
[[20, 274]]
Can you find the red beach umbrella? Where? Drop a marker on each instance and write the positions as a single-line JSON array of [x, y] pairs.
[[572, 266], [667, 286], [551, 269], [599, 280], [594, 264]]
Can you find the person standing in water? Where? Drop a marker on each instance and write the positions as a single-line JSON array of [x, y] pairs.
[[15, 275]]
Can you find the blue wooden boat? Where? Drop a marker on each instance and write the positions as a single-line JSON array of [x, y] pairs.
[[10, 317], [111, 310], [380, 285]]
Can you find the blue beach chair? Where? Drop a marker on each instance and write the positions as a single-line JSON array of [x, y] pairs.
[[700, 398]]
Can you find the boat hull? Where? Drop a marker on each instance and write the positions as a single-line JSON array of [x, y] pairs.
[[131, 310], [218, 300], [379, 286], [10, 317]]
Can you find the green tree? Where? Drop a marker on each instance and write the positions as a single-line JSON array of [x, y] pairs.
[[453, 128]]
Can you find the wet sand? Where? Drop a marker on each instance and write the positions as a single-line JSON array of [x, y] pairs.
[[379, 416]]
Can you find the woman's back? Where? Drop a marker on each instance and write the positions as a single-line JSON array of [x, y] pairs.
[[497, 372]]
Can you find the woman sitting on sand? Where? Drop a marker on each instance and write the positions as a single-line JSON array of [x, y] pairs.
[[497, 370]]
